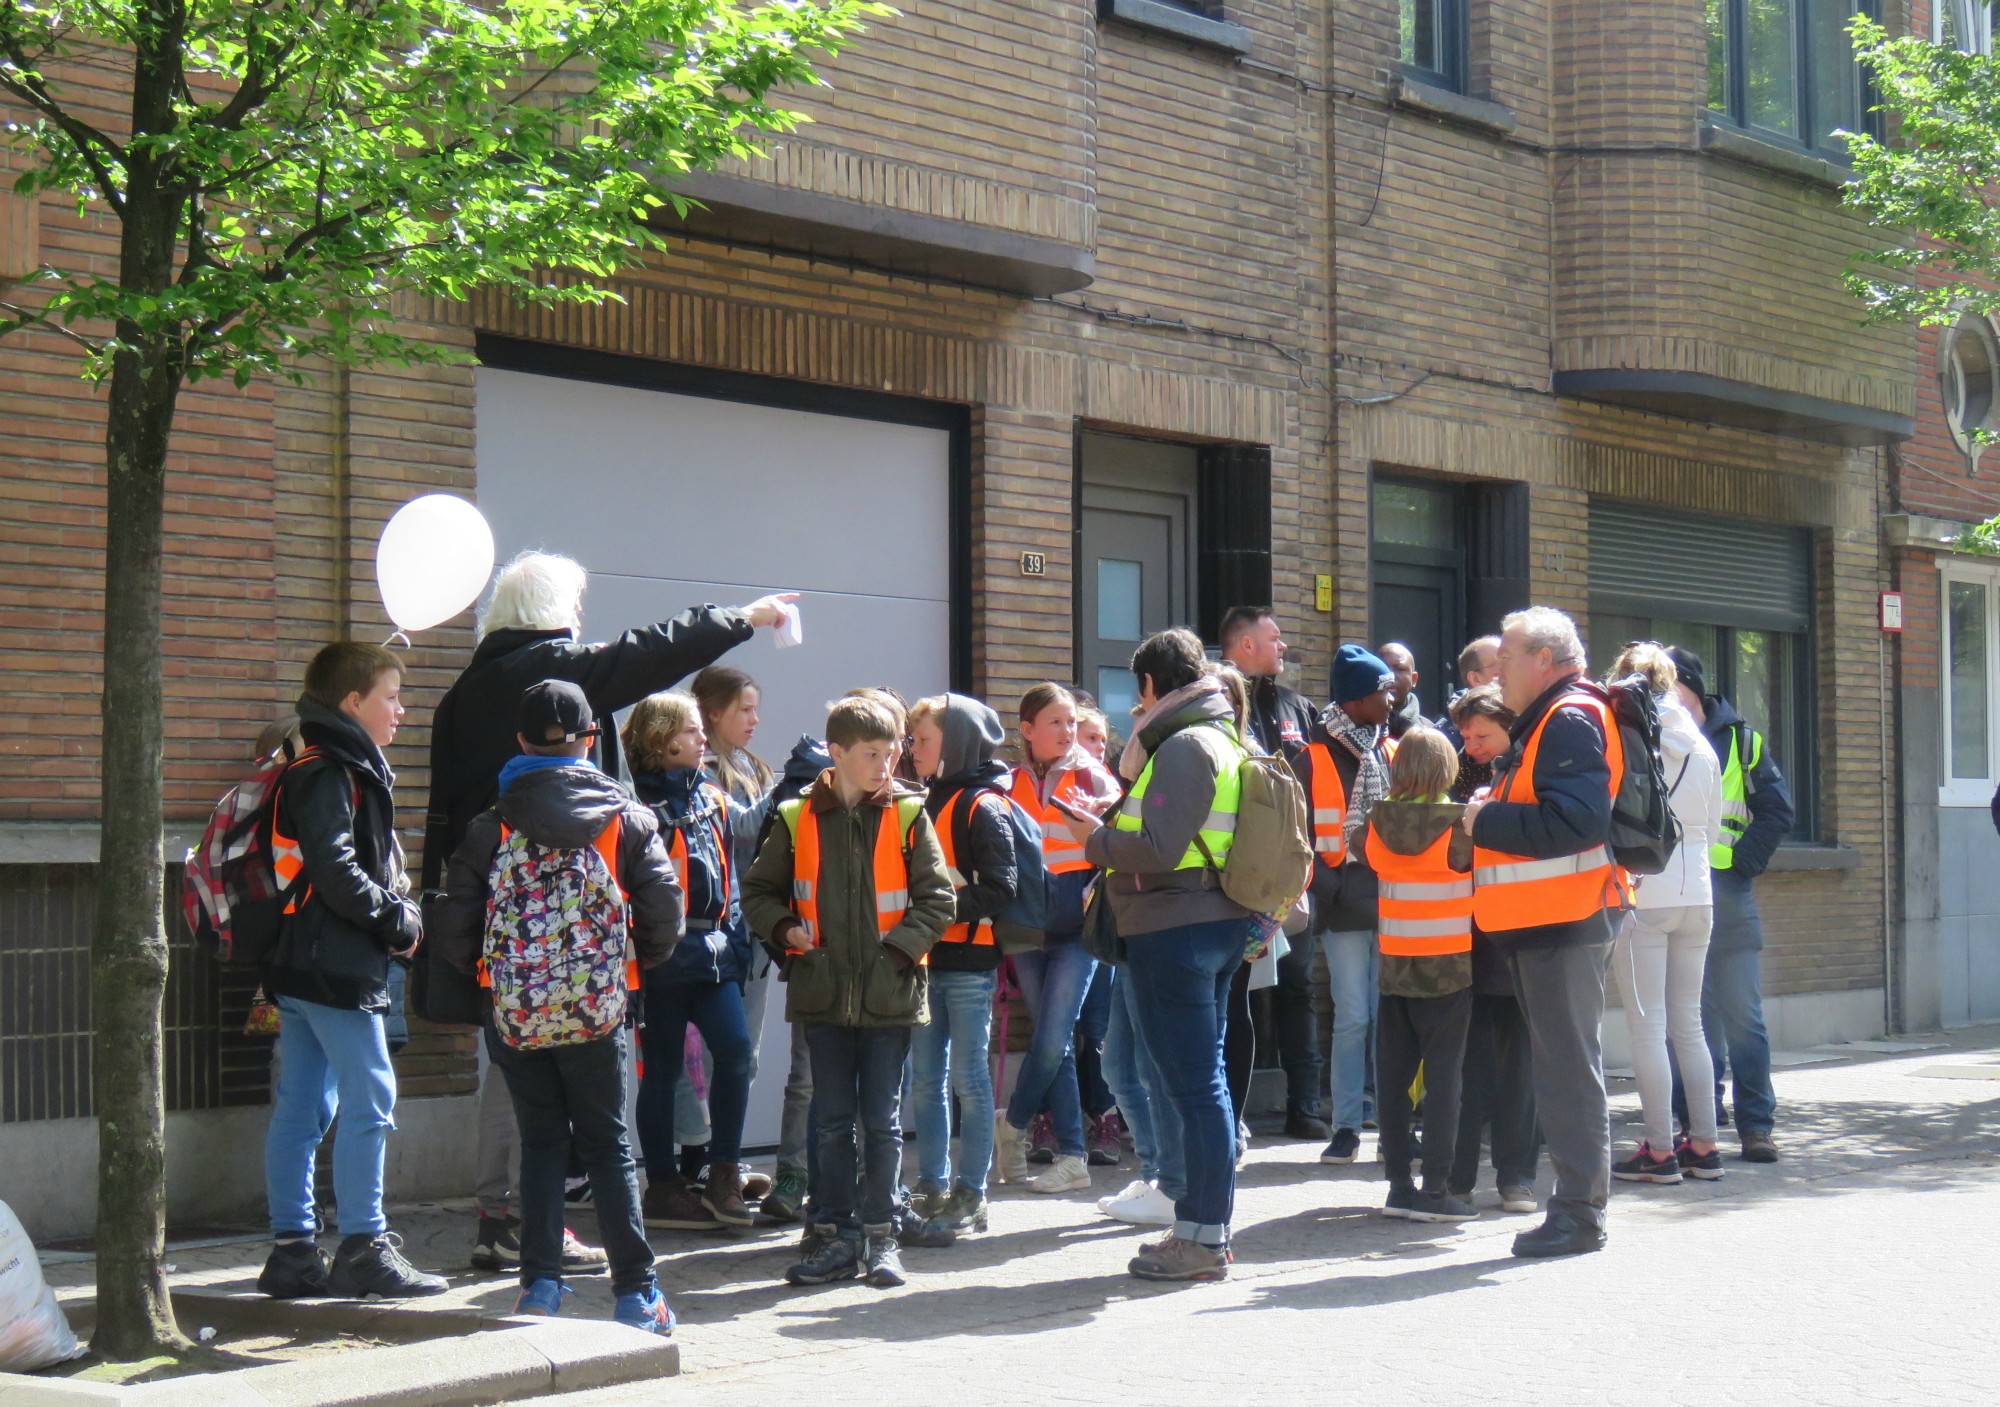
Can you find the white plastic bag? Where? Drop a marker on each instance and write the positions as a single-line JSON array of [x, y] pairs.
[[33, 1332]]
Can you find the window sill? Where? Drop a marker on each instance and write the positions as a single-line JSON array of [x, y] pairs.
[[1419, 96], [1733, 144], [1162, 18], [1794, 856]]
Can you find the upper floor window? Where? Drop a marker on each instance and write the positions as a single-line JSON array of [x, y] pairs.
[[1966, 25], [1785, 68], [1433, 42]]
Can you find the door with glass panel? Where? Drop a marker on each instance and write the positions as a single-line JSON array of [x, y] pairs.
[[1135, 563]]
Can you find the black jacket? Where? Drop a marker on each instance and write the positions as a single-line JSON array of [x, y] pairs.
[[568, 807], [718, 945], [1283, 719], [473, 734], [1570, 814], [983, 843], [341, 809], [1343, 896], [1770, 799]]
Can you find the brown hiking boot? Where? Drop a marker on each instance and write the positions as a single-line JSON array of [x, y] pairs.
[[1758, 1148], [724, 1195], [676, 1206]]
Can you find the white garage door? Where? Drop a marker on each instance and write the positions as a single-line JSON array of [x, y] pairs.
[[673, 500]]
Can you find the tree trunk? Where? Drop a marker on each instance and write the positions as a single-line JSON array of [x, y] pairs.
[[128, 961]]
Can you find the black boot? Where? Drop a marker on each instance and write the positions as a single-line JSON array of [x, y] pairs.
[[1305, 1121], [295, 1271], [830, 1256], [1564, 1233], [374, 1265]]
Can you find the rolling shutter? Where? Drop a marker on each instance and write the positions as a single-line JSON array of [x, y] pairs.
[[1647, 562]]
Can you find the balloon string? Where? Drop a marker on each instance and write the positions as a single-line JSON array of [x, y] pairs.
[[398, 635]]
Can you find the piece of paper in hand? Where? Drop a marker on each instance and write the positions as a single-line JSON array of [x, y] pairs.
[[791, 627]]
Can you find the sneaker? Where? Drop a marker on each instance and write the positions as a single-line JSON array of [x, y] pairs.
[[676, 1206], [1107, 1140], [829, 1256], [1140, 1204], [786, 1197], [1517, 1199], [1066, 1174], [1175, 1259], [883, 1260], [1759, 1148], [756, 1185], [368, 1266], [576, 1191], [1440, 1206], [963, 1210], [1010, 1153], [646, 1309], [579, 1259], [1346, 1146], [1303, 1122], [1706, 1166], [1647, 1166], [296, 1270], [542, 1299], [928, 1199], [924, 1235], [498, 1244], [1042, 1139], [1402, 1197], [723, 1196]]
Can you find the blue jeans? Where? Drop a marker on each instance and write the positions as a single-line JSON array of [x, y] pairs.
[[957, 1040], [330, 1062], [857, 1085], [716, 1010], [1180, 979], [1053, 982], [1091, 1026], [1732, 1018], [1352, 961], [1136, 1085]]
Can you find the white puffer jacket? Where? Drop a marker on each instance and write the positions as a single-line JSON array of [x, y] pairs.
[[1694, 778]]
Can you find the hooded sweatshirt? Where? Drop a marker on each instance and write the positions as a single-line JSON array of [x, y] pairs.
[[562, 803], [717, 947], [982, 841], [1694, 785]]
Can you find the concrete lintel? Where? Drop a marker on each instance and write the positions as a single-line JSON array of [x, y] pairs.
[[1718, 400], [1420, 96], [1181, 24], [1923, 532]]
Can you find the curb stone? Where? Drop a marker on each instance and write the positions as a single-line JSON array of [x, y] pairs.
[[532, 1360]]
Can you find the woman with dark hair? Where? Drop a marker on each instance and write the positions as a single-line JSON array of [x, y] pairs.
[[1183, 937]]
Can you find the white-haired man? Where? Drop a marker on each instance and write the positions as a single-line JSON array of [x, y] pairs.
[[1544, 880], [528, 633]]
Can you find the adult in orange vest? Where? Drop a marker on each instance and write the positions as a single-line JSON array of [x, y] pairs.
[[1345, 771], [1543, 882]]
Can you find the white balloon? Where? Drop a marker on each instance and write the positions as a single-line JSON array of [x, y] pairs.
[[433, 560]]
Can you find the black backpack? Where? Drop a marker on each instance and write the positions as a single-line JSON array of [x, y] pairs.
[[1644, 829]]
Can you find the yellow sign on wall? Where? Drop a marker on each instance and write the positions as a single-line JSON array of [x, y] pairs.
[[1323, 593]]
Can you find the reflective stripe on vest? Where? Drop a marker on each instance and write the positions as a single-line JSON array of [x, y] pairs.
[[1218, 829], [981, 934], [1425, 908], [287, 860], [1329, 803], [1735, 797], [892, 870], [677, 848], [1060, 852], [1517, 891], [605, 845]]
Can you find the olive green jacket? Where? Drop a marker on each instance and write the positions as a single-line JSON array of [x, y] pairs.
[[853, 978]]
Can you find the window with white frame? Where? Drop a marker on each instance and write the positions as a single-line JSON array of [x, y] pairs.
[[1966, 25], [1969, 683]]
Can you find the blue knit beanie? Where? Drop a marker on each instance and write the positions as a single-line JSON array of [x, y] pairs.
[[1357, 673]]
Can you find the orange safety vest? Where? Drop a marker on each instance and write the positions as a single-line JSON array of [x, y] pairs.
[[1060, 852], [677, 848], [1329, 801], [980, 934], [892, 871], [1515, 891], [1425, 909], [606, 845]]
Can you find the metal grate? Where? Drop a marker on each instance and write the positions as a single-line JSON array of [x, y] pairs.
[[1645, 561], [46, 912]]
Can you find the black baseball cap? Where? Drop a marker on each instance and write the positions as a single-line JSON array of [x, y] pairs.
[[555, 712], [1687, 664]]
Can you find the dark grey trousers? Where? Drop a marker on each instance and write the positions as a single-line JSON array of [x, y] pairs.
[[1562, 996]]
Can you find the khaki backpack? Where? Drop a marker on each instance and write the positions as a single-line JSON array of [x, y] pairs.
[[1271, 858]]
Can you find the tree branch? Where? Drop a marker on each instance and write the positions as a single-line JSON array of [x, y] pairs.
[[23, 318], [27, 85]]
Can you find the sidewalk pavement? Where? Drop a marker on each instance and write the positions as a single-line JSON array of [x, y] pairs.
[[1856, 1269]]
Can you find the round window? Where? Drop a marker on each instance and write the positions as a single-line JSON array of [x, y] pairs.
[[1971, 375]]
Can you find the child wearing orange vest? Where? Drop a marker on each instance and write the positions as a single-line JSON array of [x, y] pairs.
[[1422, 859], [850, 891]]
